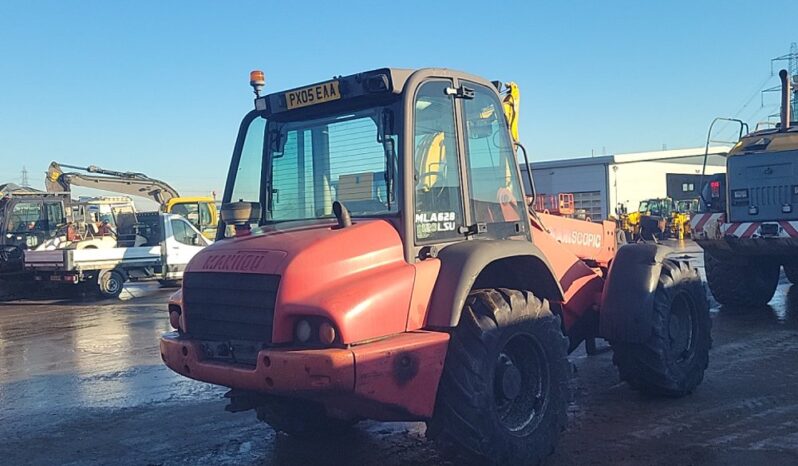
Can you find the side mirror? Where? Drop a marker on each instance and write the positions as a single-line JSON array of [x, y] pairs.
[[240, 213]]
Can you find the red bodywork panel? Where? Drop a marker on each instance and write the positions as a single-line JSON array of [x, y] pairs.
[[356, 276], [392, 379], [567, 244], [591, 241]]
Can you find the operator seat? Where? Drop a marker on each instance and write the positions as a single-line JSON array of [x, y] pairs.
[[433, 193]]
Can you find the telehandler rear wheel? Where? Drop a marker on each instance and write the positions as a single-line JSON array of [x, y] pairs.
[[301, 418], [506, 381], [752, 283], [673, 359]]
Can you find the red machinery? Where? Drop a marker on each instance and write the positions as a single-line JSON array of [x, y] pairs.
[[382, 266]]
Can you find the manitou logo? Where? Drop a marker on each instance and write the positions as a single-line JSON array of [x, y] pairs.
[[233, 262]]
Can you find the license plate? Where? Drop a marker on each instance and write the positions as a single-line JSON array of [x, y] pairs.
[[318, 94]]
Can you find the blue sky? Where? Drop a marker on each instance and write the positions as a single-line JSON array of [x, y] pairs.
[[160, 87]]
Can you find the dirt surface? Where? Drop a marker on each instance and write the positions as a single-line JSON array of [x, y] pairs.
[[82, 383]]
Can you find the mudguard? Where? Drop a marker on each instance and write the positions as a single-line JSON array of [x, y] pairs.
[[627, 302], [488, 264]]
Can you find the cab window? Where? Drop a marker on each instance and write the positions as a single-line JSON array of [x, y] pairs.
[[188, 211], [495, 190], [246, 177], [55, 215], [26, 217], [438, 197], [204, 215], [183, 232]]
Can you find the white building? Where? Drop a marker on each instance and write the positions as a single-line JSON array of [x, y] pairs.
[[600, 184]]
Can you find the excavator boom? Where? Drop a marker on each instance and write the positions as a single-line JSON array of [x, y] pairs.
[[130, 183]]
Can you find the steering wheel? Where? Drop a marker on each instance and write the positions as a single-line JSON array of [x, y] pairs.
[[508, 204]]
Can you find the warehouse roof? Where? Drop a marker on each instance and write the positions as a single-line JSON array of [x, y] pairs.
[[692, 155]]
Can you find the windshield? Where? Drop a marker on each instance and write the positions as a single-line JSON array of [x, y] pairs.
[[348, 157], [31, 222], [26, 217]]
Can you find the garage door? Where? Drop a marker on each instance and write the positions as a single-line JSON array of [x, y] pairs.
[[591, 202]]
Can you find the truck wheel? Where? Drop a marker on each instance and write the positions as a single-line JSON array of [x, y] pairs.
[[170, 283], [791, 271], [673, 360], [506, 381], [301, 418], [751, 283], [110, 284]]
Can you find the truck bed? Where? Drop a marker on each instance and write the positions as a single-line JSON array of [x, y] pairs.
[[68, 260]]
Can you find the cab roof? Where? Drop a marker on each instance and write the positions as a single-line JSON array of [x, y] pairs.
[[381, 82], [768, 140]]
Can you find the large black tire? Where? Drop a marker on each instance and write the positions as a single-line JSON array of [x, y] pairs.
[[791, 271], [301, 418], [506, 381], [110, 284], [673, 359], [751, 283]]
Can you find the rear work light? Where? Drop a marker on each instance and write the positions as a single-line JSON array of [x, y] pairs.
[[739, 196], [740, 193], [714, 187]]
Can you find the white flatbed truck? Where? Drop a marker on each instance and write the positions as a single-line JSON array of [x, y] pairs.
[[171, 242]]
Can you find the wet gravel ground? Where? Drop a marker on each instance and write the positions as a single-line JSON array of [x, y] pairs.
[[82, 383]]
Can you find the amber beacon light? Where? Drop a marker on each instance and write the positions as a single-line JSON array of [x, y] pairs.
[[257, 80]]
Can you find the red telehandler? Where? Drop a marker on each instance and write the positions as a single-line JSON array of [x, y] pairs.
[[376, 259]]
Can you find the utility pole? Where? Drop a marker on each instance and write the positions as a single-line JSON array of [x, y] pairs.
[[792, 67], [25, 183]]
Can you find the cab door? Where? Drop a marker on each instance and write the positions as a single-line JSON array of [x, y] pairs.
[[437, 189], [494, 195], [182, 241]]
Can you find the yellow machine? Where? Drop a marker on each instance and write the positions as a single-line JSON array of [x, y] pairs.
[[201, 211], [680, 218], [657, 218]]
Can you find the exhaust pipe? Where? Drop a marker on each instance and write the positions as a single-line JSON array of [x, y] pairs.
[[786, 92]]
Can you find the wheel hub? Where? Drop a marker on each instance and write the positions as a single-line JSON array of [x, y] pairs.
[[520, 383], [509, 378], [681, 330]]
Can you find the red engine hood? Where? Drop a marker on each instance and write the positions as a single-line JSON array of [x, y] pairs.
[[356, 276]]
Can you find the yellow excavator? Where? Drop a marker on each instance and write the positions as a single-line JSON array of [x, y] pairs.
[[200, 210]]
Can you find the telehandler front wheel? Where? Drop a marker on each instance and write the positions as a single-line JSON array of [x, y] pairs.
[[671, 362], [301, 418], [506, 380], [751, 283]]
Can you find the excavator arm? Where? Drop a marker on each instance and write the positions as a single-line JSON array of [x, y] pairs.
[[130, 183], [511, 103]]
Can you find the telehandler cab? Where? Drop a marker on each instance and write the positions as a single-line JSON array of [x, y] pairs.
[[376, 260]]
